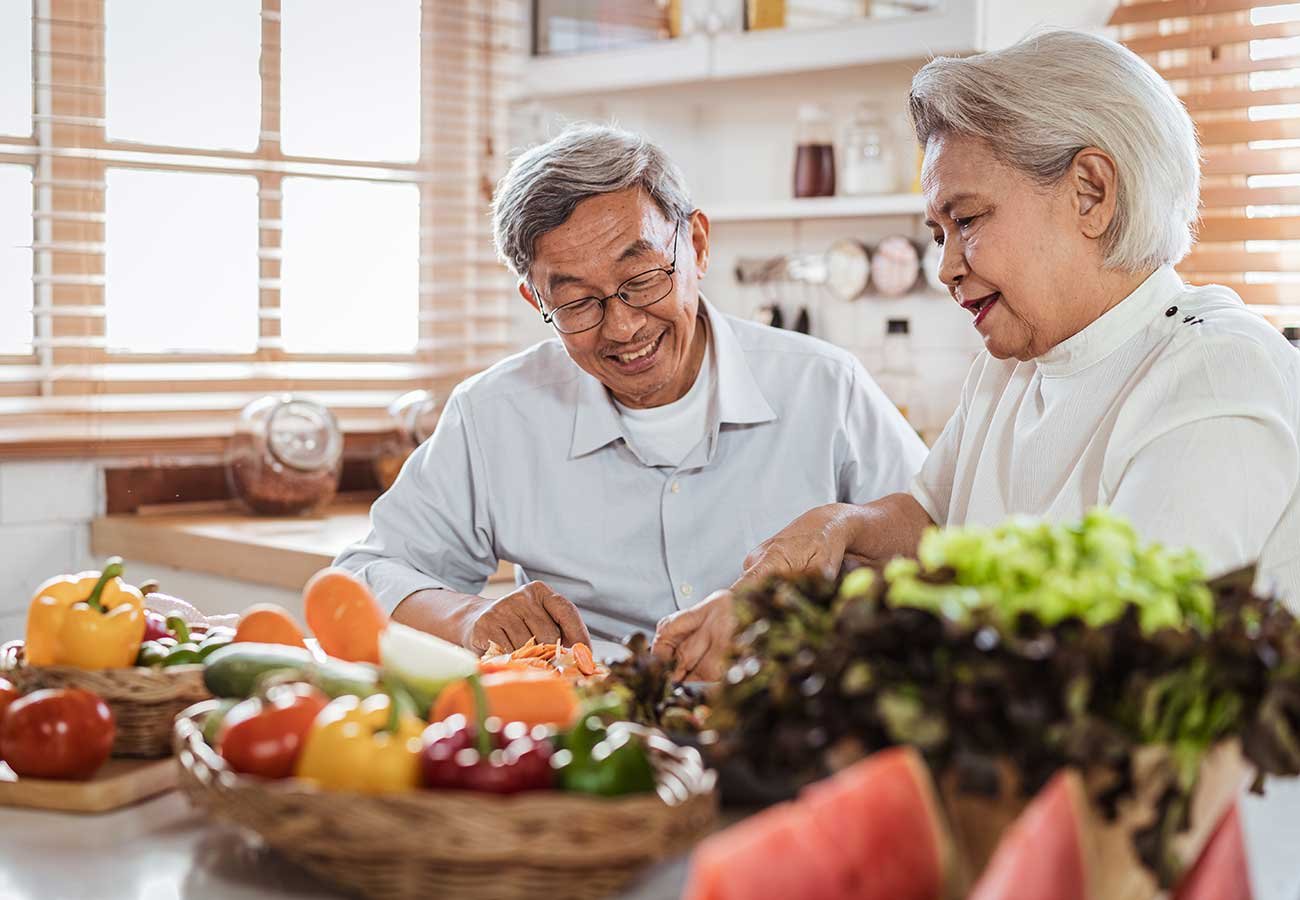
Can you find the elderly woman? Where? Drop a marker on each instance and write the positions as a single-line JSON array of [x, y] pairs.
[[1061, 181]]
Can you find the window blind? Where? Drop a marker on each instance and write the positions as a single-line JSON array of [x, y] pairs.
[[74, 380], [1236, 66]]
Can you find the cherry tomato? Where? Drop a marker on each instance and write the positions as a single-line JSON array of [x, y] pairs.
[[8, 694], [264, 737], [63, 733]]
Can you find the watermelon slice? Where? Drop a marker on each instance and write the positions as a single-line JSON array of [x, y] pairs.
[[1042, 854], [872, 832], [1221, 872], [774, 854]]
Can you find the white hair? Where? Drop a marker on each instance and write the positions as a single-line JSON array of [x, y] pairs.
[[1038, 103], [546, 182]]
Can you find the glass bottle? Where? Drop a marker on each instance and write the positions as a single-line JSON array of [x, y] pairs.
[[870, 163], [897, 375], [814, 159], [286, 455]]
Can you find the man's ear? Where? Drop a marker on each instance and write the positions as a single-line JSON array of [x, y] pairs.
[[527, 293], [1094, 180], [700, 241]]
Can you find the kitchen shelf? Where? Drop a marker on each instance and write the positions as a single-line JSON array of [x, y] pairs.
[[955, 27], [818, 208]]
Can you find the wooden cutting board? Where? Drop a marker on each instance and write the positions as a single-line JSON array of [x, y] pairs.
[[119, 782]]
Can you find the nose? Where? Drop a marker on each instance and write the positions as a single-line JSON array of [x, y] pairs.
[[621, 321], [952, 264]]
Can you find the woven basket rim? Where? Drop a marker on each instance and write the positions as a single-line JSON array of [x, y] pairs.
[[11, 659], [188, 735]]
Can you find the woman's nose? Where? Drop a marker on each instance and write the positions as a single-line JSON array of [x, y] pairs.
[[952, 265]]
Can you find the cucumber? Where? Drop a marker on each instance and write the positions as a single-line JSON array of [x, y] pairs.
[[212, 724], [335, 678], [232, 671]]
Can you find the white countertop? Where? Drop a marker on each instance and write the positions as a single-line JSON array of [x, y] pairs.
[[164, 850], [160, 849]]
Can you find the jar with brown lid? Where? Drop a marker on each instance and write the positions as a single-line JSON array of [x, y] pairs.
[[285, 456]]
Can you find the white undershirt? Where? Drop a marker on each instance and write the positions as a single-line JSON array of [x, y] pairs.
[[664, 435]]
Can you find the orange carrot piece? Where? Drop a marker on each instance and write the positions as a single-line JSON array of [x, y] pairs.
[[345, 617], [268, 623], [583, 659]]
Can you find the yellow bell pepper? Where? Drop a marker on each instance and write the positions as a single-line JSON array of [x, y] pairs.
[[92, 620], [369, 746]]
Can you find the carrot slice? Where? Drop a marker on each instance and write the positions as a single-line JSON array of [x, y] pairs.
[[583, 659], [345, 617]]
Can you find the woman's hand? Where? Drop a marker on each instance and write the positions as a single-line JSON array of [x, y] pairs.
[[815, 543]]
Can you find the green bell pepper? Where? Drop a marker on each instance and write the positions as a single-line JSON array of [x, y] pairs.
[[151, 654], [605, 762]]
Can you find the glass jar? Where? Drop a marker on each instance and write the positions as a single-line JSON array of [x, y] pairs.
[[286, 455], [870, 163], [412, 416], [814, 153]]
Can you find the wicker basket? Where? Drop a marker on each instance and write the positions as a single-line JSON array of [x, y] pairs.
[[144, 701], [459, 844]]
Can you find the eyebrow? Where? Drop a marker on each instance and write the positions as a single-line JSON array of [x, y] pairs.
[[948, 205], [639, 247]]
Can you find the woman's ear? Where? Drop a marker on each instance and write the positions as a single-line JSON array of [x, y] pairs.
[[1095, 182]]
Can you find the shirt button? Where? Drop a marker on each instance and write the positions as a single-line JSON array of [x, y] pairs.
[[677, 487], [686, 590]]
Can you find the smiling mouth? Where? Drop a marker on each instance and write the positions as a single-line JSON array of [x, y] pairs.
[[981, 303], [634, 355]]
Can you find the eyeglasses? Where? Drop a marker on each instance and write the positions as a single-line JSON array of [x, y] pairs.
[[638, 292]]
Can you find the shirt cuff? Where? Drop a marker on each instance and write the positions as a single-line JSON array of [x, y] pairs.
[[391, 582], [922, 496]]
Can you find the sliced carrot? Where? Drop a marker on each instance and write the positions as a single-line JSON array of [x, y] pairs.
[[534, 697], [268, 623], [583, 659], [343, 614]]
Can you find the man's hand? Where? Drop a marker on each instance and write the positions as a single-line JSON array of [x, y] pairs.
[[533, 610], [697, 638], [813, 543]]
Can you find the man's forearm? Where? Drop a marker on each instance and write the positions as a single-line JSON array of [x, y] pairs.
[[446, 614], [885, 528]]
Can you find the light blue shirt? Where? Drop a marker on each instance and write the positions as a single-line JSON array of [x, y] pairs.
[[531, 463]]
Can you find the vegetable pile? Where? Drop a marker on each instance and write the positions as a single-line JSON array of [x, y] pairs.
[[1046, 646]]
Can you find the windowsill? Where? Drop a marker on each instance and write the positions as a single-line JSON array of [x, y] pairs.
[[169, 437], [279, 552]]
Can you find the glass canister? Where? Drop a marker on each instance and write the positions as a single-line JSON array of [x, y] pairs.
[[814, 153], [870, 163], [413, 417], [286, 455]]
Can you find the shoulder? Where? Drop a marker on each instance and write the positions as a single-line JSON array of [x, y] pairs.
[[1214, 339], [784, 352], [543, 369]]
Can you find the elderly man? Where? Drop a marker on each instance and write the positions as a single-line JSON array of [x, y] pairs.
[[626, 466]]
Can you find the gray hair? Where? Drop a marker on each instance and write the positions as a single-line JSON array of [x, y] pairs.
[[1038, 103], [546, 182]]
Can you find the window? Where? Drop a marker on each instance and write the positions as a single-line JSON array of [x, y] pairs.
[[15, 260], [1236, 65], [205, 200]]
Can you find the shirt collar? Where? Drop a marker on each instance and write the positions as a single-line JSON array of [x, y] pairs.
[[739, 399], [1104, 336]]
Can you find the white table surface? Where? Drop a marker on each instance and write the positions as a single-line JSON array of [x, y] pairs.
[[163, 850]]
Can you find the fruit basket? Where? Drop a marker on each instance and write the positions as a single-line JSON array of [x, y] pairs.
[[430, 843], [144, 700]]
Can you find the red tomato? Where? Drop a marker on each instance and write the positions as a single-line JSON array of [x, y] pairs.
[[64, 733], [264, 737], [8, 694]]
